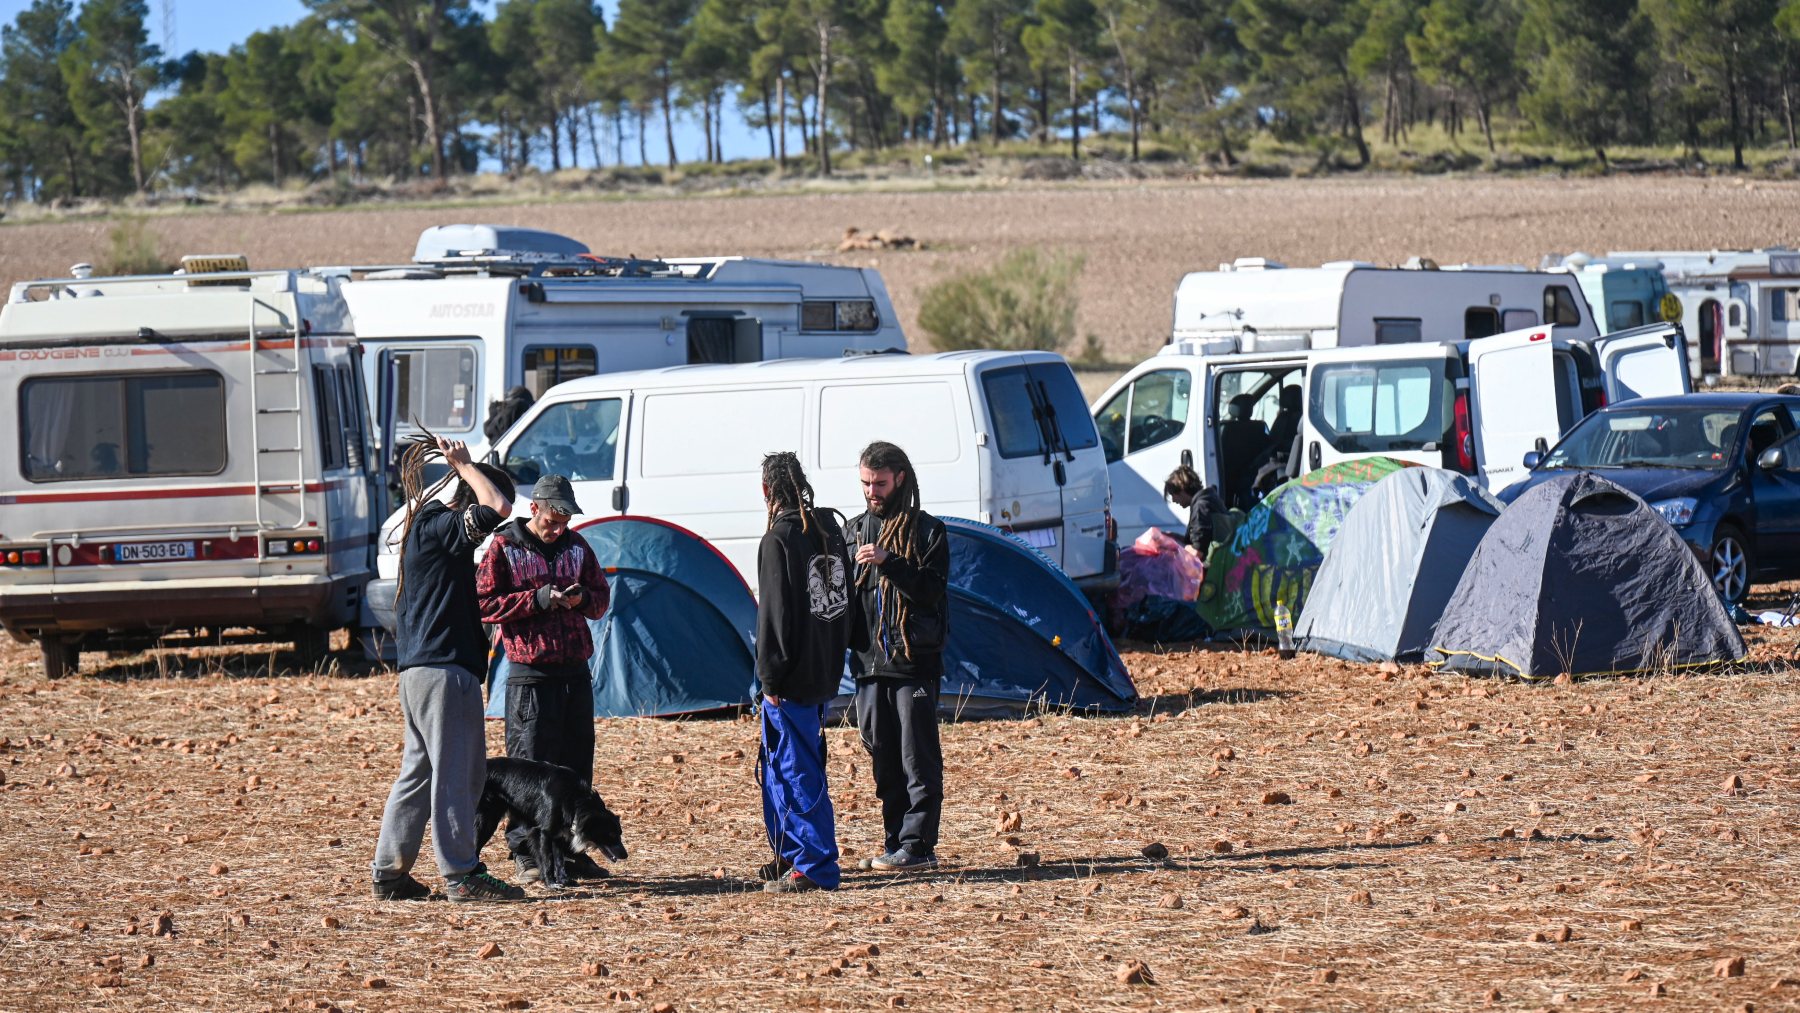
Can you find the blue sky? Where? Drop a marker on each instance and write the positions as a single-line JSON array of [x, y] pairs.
[[217, 25]]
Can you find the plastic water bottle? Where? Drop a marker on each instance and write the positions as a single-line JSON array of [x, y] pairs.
[[1284, 629]]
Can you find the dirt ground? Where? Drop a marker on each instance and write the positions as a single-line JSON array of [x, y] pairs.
[[194, 832], [1138, 238]]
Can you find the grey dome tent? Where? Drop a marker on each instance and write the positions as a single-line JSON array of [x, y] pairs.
[[1581, 576], [1393, 566]]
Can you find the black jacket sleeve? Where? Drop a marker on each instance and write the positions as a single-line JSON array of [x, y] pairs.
[[775, 624], [923, 583], [1200, 518]]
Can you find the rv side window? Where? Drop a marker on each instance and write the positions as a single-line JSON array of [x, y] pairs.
[[331, 420], [1398, 330], [545, 367], [1625, 313], [90, 427], [1480, 322], [1517, 320], [839, 315], [437, 385], [575, 439], [1037, 409], [1376, 408], [1782, 307], [1559, 307]]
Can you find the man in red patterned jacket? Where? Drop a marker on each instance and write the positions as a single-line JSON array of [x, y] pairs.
[[539, 584]]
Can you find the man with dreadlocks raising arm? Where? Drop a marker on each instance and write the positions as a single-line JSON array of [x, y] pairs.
[[442, 648], [902, 574], [804, 623]]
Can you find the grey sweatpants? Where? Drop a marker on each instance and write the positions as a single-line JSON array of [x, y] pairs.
[[442, 770]]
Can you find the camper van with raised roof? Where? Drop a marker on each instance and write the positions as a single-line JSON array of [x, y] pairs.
[[485, 308], [191, 452], [1269, 379]]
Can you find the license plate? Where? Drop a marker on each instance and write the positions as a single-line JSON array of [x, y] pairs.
[[1039, 538], [152, 552]]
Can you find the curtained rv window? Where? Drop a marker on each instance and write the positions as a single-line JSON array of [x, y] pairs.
[[138, 426]]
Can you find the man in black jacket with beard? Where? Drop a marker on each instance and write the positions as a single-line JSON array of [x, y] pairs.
[[902, 578]]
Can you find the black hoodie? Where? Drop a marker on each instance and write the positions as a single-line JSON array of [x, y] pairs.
[[806, 609]]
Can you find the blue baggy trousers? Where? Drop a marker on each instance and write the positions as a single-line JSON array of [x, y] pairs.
[[796, 805]]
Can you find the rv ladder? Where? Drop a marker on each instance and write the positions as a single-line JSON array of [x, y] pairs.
[[278, 429]]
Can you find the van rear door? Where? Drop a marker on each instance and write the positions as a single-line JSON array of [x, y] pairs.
[[1643, 362], [1394, 401], [1047, 475], [1511, 401]]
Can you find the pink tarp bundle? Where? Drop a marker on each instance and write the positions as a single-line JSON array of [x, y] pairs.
[[1158, 565]]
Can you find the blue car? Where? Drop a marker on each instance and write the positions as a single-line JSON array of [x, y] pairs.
[[1723, 468]]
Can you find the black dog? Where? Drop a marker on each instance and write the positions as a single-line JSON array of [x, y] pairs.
[[565, 814]]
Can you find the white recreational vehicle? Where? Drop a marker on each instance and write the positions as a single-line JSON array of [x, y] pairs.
[[486, 308], [1265, 306], [192, 451], [1740, 308], [999, 437]]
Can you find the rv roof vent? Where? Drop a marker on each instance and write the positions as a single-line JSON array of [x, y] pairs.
[[214, 263], [1419, 264], [1255, 264], [1345, 264], [456, 242]]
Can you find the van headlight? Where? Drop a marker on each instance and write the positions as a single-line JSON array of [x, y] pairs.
[[1678, 511]]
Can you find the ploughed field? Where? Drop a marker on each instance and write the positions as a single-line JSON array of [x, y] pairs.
[[1139, 238], [194, 831]]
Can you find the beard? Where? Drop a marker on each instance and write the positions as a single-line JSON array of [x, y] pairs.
[[878, 505]]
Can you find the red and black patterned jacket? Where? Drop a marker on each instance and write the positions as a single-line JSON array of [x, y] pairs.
[[516, 565]]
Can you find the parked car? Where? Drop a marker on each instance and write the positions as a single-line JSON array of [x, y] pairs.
[[1723, 468]]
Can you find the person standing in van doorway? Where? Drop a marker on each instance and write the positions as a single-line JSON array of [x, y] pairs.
[[902, 579], [539, 584], [443, 765], [805, 621]]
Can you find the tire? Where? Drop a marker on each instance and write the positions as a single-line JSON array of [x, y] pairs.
[[1730, 564], [60, 657]]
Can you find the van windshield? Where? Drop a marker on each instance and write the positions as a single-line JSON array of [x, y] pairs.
[[575, 439], [1036, 409]]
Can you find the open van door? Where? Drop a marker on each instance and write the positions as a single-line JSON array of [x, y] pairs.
[[1395, 401], [1643, 362], [1512, 402]]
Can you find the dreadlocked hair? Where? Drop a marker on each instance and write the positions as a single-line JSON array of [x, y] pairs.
[[789, 490], [421, 450], [899, 533]]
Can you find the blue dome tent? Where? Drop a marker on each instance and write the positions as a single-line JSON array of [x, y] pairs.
[[1021, 634], [677, 637]]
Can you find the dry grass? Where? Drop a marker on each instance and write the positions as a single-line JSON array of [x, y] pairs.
[[1438, 826], [1138, 237]]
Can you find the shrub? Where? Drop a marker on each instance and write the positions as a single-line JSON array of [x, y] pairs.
[[1026, 301], [131, 248]]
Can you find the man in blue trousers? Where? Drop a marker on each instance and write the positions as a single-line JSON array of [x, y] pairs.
[[804, 622]]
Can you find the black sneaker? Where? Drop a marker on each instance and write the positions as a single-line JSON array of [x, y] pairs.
[[581, 866], [902, 860], [528, 870], [480, 885], [793, 882], [404, 888], [770, 871]]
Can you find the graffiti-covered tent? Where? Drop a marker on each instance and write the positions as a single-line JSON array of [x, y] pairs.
[[1273, 552], [1580, 576], [1393, 565], [1021, 634], [677, 637]]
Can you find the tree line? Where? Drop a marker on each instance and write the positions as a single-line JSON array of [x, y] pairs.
[[90, 106]]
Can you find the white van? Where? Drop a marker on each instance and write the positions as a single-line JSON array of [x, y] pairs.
[[1264, 306], [191, 451], [485, 308], [1476, 407], [1001, 437]]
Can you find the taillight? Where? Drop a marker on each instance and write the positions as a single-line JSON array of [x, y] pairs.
[[1112, 527], [293, 547], [22, 557], [1602, 399], [1463, 436]]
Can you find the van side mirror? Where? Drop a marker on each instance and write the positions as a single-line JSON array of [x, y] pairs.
[[1772, 459], [1533, 458]]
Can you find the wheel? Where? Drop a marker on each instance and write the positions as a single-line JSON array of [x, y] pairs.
[[60, 657], [311, 643], [1731, 565]]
